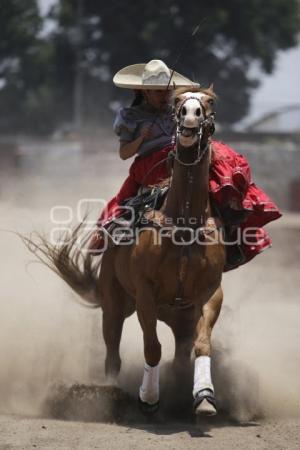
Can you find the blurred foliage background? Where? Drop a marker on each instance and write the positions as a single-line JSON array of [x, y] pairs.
[[64, 74]]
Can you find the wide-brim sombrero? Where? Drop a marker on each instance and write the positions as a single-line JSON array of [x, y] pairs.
[[153, 75]]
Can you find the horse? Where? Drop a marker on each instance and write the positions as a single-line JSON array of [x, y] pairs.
[[171, 273]]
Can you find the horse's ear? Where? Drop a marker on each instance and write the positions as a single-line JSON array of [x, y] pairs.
[[176, 101], [211, 87]]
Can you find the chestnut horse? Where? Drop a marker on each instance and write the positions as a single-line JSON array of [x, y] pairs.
[[176, 278]]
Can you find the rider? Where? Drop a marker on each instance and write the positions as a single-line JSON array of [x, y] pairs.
[[146, 128]]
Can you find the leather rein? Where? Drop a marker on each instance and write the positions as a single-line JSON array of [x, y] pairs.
[[206, 121], [182, 270]]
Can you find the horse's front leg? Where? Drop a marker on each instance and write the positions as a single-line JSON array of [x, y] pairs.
[[147, 315], [203, 391]]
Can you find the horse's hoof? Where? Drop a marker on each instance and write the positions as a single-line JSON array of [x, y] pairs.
[[205, 403], [147, 408]]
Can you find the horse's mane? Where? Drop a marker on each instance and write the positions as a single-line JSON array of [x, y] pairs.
[[208, 91]]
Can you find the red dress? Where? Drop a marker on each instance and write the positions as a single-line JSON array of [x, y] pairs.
[[230, 182]]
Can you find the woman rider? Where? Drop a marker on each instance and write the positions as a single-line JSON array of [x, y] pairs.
[[145, 130]]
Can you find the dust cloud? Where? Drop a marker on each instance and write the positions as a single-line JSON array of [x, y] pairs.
[[256, 358], [47, 339]]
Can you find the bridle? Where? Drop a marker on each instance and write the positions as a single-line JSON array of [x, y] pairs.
[[203, 122], [208, 121]]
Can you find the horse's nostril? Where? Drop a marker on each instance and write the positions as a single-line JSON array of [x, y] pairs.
[[198, 112], [183, 112]]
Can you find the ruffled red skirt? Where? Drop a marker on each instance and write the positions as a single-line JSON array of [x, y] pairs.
[[230, 183]]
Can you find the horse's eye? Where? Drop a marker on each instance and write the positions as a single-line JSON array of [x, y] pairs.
[[198, 112], [183, 112], [211, 102]]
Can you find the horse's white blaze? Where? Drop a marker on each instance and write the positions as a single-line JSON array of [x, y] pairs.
[[191, 119], [202, 374], [149, 390]]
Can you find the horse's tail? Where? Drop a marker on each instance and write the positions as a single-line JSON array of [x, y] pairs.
[[70, 263]]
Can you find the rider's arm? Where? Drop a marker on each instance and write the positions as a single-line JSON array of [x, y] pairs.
[[128, 149]]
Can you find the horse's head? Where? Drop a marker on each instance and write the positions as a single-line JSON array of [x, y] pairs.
[[194, 110]]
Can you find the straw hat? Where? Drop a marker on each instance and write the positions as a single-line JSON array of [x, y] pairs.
[[153, 75]]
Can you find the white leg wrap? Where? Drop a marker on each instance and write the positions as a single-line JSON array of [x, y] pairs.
[[202, 375], [149, 391]]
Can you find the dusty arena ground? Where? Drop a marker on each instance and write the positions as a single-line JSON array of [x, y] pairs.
[[52, 390]]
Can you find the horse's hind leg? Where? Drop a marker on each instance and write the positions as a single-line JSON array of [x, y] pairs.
[[179, 392], [112, 326], [183, 327], [203, 387], [116, 306]]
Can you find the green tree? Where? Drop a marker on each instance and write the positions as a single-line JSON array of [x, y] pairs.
[[30, 85], [19, 25], [43, 78], [233, 35]]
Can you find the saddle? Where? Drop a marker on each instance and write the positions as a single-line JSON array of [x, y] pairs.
[[149, 198], [152, 198]]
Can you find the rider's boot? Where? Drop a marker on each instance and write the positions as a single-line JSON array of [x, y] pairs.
[[97, 243], [232, 218], [100, 239]]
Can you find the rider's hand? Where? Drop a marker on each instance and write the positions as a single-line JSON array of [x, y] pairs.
[[146, 132]]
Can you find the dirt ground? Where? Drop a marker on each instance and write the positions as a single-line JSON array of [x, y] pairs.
[[52, 390], [27, 433]]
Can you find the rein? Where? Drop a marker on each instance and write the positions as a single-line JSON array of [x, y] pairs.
[[201, 152], [168, 158]]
